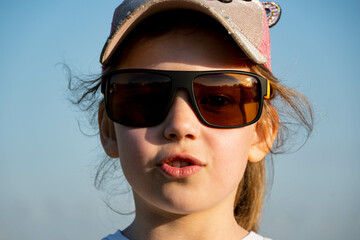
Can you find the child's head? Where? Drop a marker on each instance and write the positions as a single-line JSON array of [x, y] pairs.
[[206, 139]]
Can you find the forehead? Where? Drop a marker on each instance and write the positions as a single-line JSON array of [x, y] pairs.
[[173, 35], [200, 48]]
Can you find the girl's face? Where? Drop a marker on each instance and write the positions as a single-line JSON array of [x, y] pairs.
[[218, 157]]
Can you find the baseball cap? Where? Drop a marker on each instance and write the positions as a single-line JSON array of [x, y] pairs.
[[247, 21]]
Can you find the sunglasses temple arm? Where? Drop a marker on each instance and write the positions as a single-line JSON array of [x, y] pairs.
[[267, 96]]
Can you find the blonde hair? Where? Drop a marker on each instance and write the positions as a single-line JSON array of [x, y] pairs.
[[295, 111]]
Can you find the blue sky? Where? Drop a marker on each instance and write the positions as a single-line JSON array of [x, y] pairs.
[[47, 165]]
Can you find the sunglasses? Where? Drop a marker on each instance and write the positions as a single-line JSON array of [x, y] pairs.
[[220, 99]]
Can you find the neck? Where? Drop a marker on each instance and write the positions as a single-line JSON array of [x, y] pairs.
[[214, 223]]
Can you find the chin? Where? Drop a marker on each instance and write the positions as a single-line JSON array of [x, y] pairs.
[[185, 201]]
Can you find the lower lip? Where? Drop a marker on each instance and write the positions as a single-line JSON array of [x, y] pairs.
[[180, 172]]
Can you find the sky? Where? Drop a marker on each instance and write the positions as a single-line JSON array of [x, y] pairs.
[[47, 165]]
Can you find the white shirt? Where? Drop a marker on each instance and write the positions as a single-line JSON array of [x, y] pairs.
[[119, 236]]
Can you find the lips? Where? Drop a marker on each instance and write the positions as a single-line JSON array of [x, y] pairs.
[[180, 166]]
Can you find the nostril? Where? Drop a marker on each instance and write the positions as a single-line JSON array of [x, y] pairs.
[[190, 136], [172, 135]]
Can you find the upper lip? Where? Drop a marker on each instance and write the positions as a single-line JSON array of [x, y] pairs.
[[181, 158]]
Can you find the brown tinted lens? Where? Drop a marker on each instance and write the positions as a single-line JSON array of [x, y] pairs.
[[137, 98], [228, 99]]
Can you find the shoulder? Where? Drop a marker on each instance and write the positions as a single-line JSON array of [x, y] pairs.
[[116, 236], [254, 236]]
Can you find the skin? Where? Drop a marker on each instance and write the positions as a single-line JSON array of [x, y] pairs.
[[199, 206]]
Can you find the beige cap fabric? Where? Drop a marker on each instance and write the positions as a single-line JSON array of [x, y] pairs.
[[245, 20]]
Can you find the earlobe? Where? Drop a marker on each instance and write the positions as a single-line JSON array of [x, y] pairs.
[[107, 133], [265, 134]]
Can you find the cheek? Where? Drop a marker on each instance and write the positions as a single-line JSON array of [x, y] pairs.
[[125, 138], [230, 155], [134, 152]]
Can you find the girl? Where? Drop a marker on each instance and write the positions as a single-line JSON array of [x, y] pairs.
[[189, 108]]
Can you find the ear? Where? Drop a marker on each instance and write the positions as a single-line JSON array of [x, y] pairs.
[[107, 133], [265, 134]]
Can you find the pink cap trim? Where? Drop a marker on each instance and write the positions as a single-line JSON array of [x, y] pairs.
[[265, 45]]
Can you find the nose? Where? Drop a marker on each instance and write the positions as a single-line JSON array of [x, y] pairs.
[[181, 122]]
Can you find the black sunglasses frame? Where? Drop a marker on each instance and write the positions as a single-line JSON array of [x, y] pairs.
[[177, 82]]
